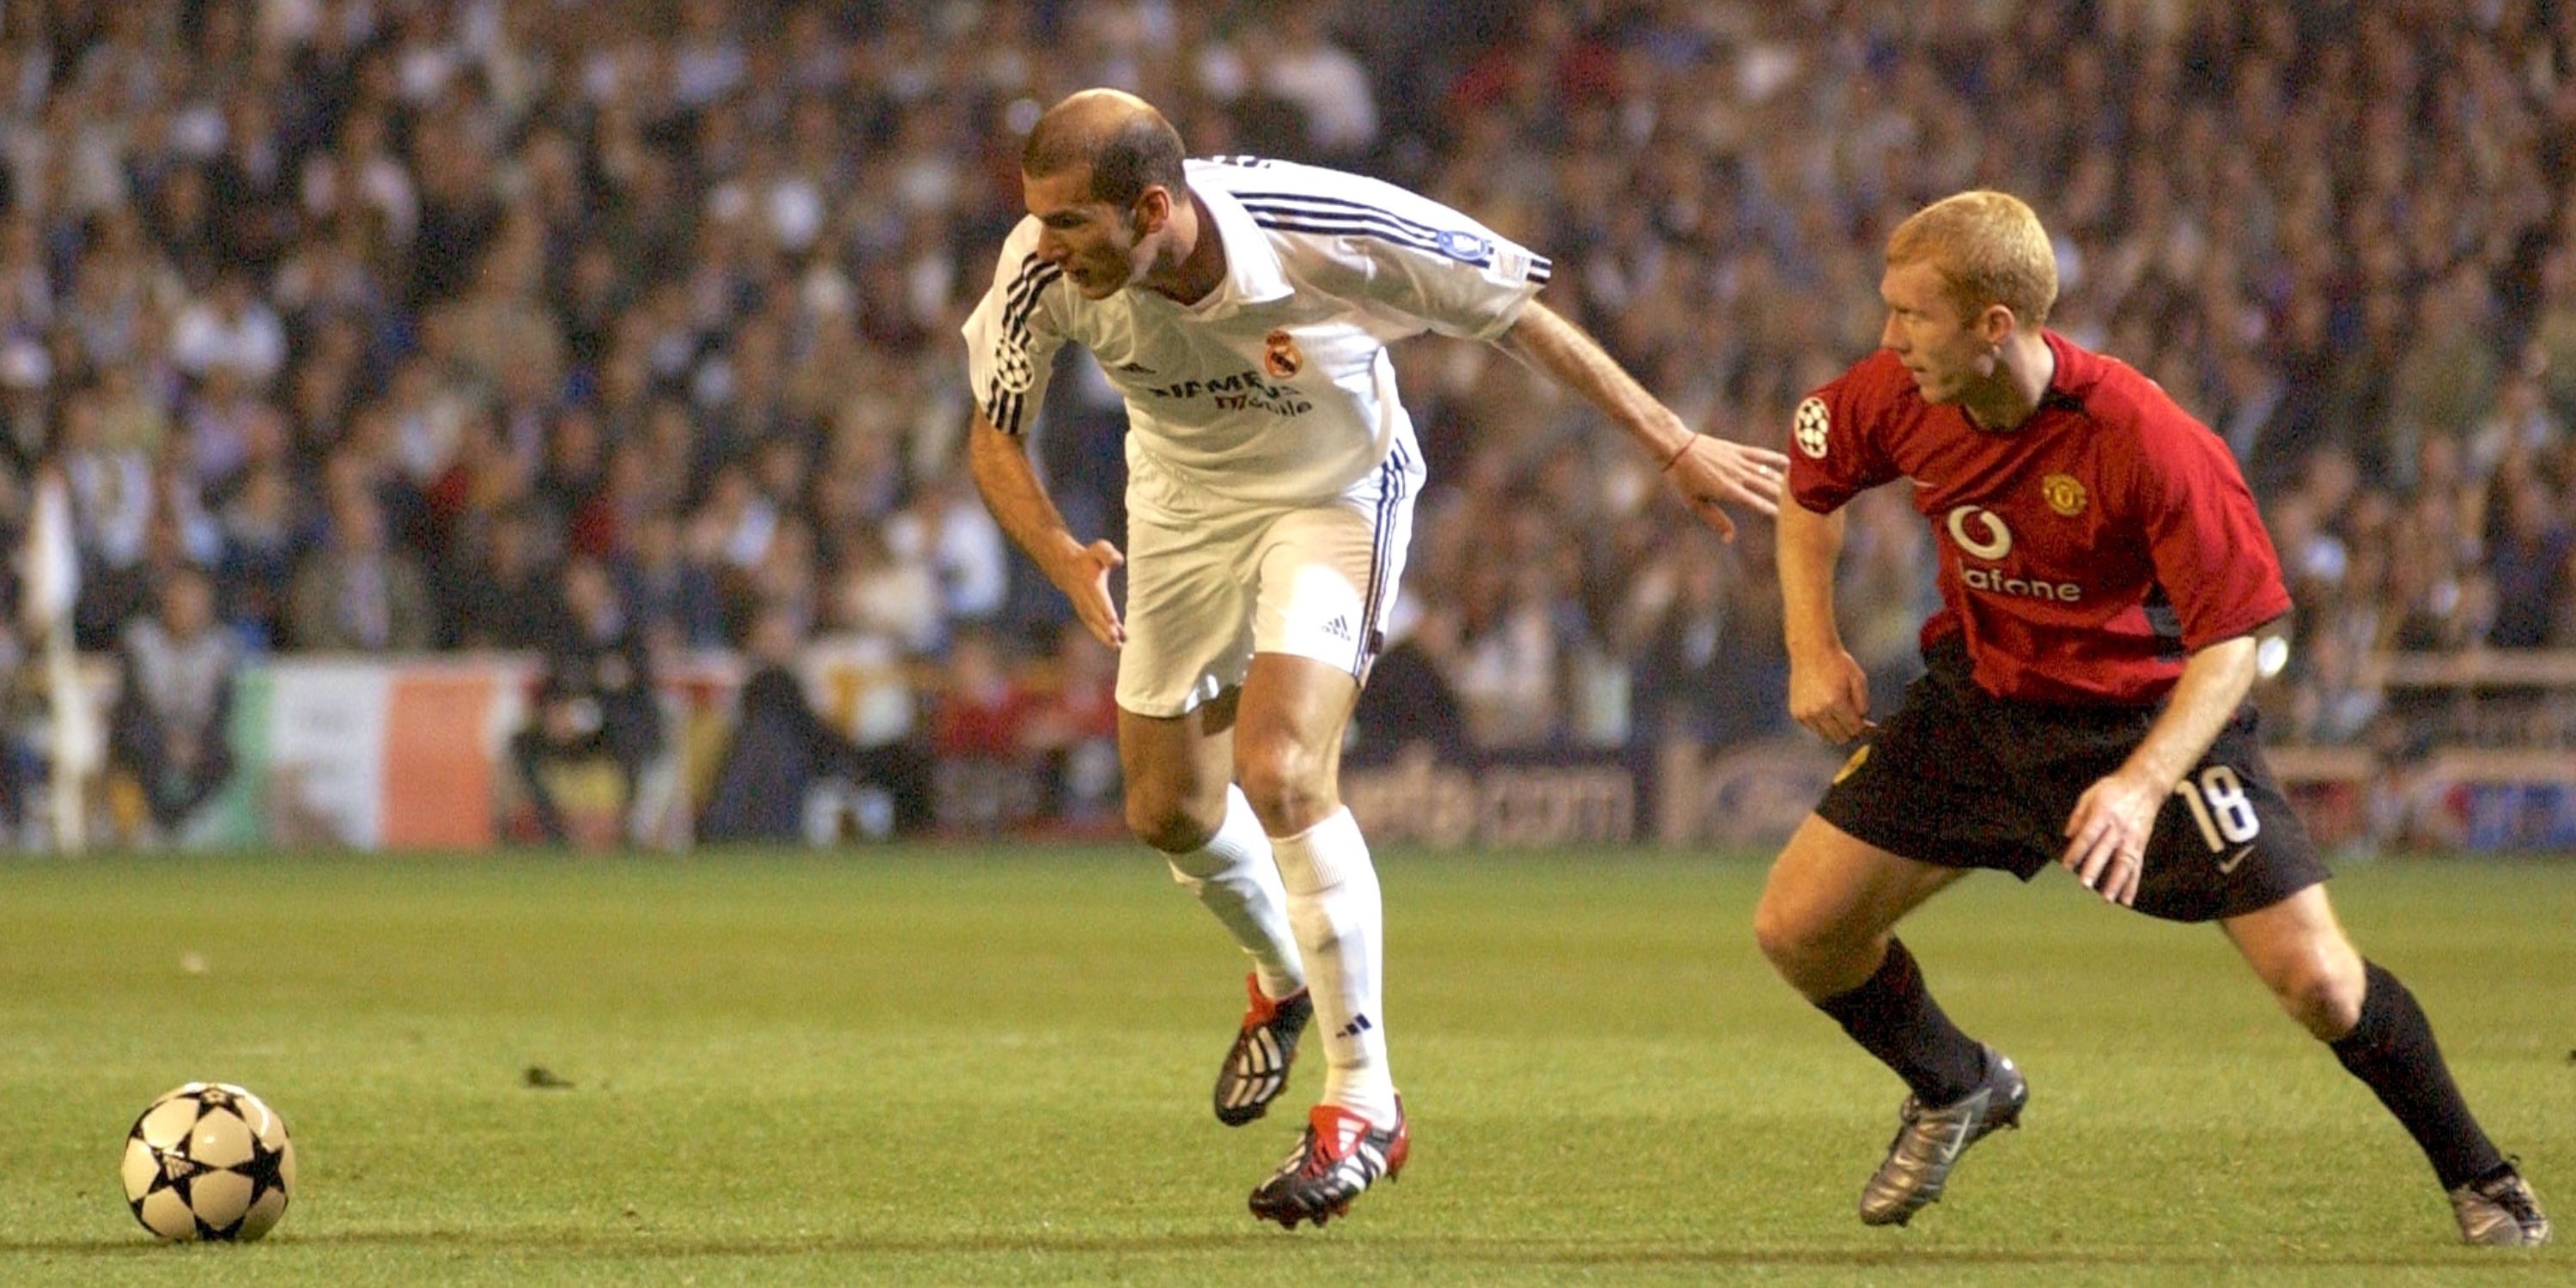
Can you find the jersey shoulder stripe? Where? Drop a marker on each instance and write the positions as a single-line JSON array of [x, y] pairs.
[[1337, 205], [1295, 222], [1034, 277], [1308, 213], [1451, 246], [1013, 374]]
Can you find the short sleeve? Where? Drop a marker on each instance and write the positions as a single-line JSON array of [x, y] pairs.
[[2205, 534], [1418, 259], [1833, 443], [1012, 336]]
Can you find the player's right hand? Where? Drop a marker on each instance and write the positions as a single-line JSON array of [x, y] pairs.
[[1083, 575], [1713, 473], [1830, 696]]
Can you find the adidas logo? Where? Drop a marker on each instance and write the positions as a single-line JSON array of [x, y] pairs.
[[1359, 1024], [1339, 628]]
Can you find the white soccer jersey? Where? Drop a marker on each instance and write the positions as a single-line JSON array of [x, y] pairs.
[[1276, 388]]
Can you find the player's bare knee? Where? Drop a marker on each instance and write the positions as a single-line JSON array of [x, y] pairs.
[[1170, 831], [1775, 932], [2320, 992], [1166, 820], [1288, 788], [1801, 950]]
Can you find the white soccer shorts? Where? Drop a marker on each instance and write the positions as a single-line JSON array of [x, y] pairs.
[[1207, 591]]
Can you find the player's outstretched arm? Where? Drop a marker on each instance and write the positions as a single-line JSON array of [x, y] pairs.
[[1019, 502], [1828, 691], [2107, 834], [1711, 472]]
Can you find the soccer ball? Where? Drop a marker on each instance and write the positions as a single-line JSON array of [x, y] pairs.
[[208, 1161]]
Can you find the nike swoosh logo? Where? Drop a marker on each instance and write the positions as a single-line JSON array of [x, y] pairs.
[[2228, 864]]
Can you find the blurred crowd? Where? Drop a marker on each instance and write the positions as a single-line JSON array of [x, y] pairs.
[[376, 315]]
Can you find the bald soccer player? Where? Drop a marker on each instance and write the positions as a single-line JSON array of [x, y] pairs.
[[1242, 308]]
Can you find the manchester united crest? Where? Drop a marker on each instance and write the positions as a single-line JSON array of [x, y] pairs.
[[2063, 494], [1279, 355]]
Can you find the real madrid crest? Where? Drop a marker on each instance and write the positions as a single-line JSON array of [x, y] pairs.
[[2063, 494], [1279, 355]]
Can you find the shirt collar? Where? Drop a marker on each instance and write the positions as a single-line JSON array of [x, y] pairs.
[[2062, 379], [1253, 274]]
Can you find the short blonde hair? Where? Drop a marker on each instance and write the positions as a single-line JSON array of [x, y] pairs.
[[1989, 248]]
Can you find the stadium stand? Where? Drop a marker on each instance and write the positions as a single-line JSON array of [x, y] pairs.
[[380, 312]]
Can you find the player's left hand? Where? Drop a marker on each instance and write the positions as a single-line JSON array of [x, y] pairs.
[[2107, 836], [1713, 473]]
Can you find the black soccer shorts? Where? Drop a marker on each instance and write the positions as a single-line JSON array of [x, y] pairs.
[[1960, 778]]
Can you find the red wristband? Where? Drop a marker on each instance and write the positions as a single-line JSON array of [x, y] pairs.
[[1678, 454]]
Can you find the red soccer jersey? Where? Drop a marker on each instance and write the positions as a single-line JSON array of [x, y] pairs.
[[2054, 537]]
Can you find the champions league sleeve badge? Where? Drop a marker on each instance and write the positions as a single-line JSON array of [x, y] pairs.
[[1809, 428]]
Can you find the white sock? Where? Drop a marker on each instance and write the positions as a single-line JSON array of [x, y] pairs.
[[1333, 903], [1234, 876]]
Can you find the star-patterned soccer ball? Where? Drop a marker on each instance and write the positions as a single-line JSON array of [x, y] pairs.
[[208, 1161]]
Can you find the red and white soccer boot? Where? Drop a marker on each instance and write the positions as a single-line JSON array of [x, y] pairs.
[[1340, 1156], [1256, 1066]]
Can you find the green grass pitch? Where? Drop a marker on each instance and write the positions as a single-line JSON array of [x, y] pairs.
[[991, 1067]]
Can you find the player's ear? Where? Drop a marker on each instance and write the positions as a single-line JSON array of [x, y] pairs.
[[1153, 208], [1996, 321]]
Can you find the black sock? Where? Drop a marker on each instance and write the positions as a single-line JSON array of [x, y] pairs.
[[2392, 1050], [1894, 1018]]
